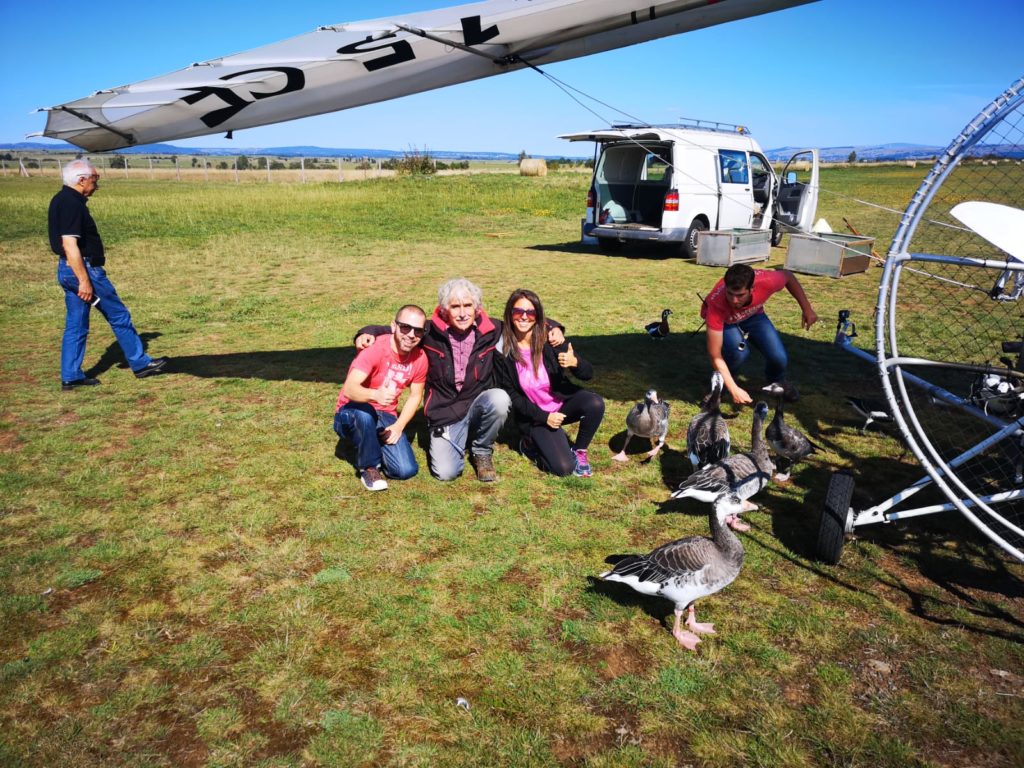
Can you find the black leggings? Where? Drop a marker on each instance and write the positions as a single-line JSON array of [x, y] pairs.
[[556, 457]]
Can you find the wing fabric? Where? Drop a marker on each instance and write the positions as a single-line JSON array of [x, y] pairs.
[[348, 65]]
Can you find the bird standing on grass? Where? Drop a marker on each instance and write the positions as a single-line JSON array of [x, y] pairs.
[[686, 570], [647, 419], [874, 411], [742, 474], [707, 437], [790, 444], [659, 328]]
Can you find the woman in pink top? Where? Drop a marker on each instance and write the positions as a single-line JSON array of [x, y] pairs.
[[534, 374]]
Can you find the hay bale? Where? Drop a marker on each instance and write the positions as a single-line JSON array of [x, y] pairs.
[[533, 166]]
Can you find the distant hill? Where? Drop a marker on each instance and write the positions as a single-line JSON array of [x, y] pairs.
[[873, 153]]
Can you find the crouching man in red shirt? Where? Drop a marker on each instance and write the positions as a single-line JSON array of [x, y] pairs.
[[734, 312]]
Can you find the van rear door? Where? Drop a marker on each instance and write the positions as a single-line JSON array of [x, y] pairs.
[[796, 205]]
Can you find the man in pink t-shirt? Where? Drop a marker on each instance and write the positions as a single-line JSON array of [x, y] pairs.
[[734, 313], [367, 411]]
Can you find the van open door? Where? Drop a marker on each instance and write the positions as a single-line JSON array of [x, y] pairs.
[[796, 204]]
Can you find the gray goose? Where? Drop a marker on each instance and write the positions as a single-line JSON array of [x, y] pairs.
[[686, 570], [707, 437], [742, 474], [647, 419], [790, 444]]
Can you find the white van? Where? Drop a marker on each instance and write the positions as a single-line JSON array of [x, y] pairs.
[[667, 184]]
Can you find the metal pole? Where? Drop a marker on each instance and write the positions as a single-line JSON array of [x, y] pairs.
[[267, 161], [302, 165]]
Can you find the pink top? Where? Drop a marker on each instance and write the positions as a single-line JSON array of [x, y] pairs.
[[537, 387], [717, 312], [382, 366]]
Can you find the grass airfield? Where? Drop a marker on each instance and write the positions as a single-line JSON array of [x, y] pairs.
[[191, 574]]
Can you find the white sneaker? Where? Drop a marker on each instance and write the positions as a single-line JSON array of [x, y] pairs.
[[373, 480]]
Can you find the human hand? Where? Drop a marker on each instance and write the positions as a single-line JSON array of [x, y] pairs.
[[363, 340], [810, 318], [555, 419], [555, 336], [568, 359], [740, 396], [389, 435], [85, 290], [385, 395]]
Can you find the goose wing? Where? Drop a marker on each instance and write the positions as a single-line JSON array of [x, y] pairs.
[[669, 561]]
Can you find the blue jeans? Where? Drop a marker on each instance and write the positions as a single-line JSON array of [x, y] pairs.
[[358, 423], [76, 324], [760, 334], [482, 423]]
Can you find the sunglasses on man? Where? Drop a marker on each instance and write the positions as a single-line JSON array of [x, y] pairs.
[[405, 329]]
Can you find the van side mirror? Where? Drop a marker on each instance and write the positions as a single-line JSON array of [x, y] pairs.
[[791, 177]]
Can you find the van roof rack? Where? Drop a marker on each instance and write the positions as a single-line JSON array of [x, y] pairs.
[[690, 123]]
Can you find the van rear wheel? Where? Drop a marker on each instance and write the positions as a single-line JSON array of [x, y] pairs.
[[689, 246]]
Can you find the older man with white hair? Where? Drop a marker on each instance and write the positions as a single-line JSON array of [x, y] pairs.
[[76, 240]]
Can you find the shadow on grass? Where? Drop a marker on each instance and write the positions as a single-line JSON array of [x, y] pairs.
[[113, 357], [658, 608], [319, 364], [636, 251]]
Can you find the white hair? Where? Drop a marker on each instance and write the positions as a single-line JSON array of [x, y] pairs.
[[459, 286], [77, 169]]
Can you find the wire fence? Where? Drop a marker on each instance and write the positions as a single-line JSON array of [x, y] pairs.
[[242, 169]]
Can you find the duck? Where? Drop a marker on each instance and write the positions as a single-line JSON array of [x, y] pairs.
[[789, 443], [707, 437], [743, 474], [647, 419], [687, 570], [659, 328], [874, 411]]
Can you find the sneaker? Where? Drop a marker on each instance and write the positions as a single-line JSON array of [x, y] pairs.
[[484, 468], [67, 386], [528, 449], [582, 465], [156, 366], [373, 480]]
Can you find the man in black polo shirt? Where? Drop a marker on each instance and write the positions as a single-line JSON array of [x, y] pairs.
[[75, 239]]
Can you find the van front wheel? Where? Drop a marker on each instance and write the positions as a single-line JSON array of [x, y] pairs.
[[689, 247]]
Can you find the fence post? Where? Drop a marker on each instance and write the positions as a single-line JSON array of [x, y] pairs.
[[302, 165], [341, 175], [22, 170], [206, 170], [4, 164], [267, 161], [235, 164], [151, 169], [126, 166], [177, 169]]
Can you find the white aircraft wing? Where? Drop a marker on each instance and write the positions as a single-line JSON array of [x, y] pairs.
[[347, 65]]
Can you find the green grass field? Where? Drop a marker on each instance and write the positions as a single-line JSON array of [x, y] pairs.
[[191, 575]]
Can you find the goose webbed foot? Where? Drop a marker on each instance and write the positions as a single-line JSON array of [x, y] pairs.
[[697, 627], [734, 522], [684, 637]]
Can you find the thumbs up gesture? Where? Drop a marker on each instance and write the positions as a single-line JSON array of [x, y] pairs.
[[567, 359]]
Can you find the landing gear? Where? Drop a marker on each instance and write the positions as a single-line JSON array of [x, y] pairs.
[[835, 518]]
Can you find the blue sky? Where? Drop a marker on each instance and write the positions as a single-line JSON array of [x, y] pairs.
[[833, 73]]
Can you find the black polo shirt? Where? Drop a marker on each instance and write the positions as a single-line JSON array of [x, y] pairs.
[[69, 215]]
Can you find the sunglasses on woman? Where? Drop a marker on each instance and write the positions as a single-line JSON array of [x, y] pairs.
[[405, 329], [529, 314]]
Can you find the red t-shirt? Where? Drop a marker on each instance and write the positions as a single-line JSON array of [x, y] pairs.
[[717, 312], [383, 366]]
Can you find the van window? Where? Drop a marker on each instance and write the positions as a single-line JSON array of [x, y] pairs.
[[734, 166], [656, 168]]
